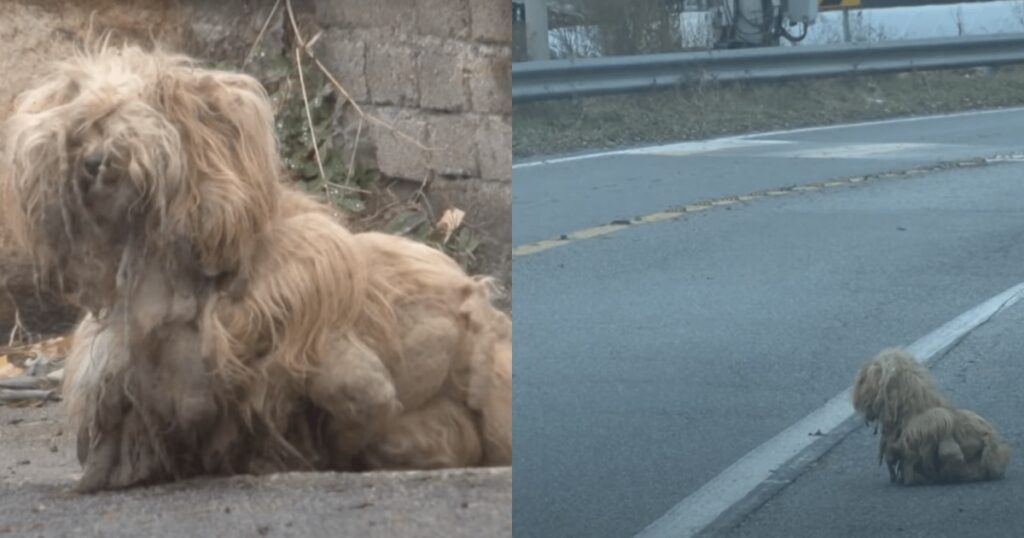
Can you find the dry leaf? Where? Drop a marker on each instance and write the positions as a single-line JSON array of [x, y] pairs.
[[8, 370], [55, 348], [450, 221]]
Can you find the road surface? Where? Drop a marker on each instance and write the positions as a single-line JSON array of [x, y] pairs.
[[652, 356]]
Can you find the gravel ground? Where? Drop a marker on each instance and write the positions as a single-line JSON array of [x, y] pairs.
[[709, 110]]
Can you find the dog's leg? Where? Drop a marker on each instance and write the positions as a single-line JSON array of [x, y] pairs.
[[98, 464], [94, 401], [984, 455], [893, 463], [485, 369], [908, 472], [888, 451], [950, 460], [440, 435], [430, 342], [101, 426], [491, 395], [995, 458], [124, 446], [356, 389]]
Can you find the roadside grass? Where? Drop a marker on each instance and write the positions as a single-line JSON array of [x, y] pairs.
[[718, 109]]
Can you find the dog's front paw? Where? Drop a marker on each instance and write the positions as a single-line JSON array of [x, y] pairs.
[[99, 456], [894, 471], [121, 457]]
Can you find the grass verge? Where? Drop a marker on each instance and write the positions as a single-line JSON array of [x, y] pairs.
[[711, 109]]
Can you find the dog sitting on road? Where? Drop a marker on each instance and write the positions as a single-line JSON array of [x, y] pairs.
[[924, 439]]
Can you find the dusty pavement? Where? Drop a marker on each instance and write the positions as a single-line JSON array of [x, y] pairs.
[[37, 466]]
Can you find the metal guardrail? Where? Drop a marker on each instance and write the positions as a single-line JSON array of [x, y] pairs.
[[555, 79]]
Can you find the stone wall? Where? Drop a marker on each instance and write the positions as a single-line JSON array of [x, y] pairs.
[[437, 71]]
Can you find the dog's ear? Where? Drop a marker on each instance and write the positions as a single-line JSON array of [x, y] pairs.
[[892, 383], [232, 167]]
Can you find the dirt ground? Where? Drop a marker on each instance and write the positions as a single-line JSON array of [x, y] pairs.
[[37, 466], [710, 110]]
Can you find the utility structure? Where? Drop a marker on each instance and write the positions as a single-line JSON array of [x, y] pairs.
[[762, 23], [735, 23]]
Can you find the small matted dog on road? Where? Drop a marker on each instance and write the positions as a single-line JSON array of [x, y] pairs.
[[234, 326], [924, 438]]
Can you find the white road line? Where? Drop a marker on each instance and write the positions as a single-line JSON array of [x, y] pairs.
[[705, 146], [700, 509], [736, 139], [860, 151]]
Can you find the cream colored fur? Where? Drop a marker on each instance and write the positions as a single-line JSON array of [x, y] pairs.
[[924, 439], [234, 326]]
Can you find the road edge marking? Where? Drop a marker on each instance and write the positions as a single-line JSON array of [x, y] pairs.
[[700, 509]]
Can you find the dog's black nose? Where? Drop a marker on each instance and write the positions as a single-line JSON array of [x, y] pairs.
[[92, 163]]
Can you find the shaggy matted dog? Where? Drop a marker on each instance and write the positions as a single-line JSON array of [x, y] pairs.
[[233, 325], [924, 438]]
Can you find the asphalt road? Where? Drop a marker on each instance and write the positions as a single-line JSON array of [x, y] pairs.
[[572, 193], [846, 493], [650, 359]]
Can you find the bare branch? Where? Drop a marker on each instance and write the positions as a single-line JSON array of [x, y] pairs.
[[309, 116], [259, 37]]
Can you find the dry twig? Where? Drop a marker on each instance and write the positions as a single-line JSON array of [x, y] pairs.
[[355, 147], [309, 116], [362, 113], [259, 37], [28, 395], [17, 326]]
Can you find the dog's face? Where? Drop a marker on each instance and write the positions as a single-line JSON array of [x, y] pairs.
[[89, 161], [90, 158], [867, 390], [124, 146], [118, 161]]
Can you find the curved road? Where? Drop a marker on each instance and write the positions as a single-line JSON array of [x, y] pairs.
[[652, 356]]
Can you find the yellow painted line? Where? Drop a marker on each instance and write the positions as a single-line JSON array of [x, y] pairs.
[[658, 217], [597, 231], [539, 246], [661, 216]]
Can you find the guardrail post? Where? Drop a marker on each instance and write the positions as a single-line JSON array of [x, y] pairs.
[[537, 47]]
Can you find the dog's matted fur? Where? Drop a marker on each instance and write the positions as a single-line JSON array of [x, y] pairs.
[[924, 439], [233, 325]]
